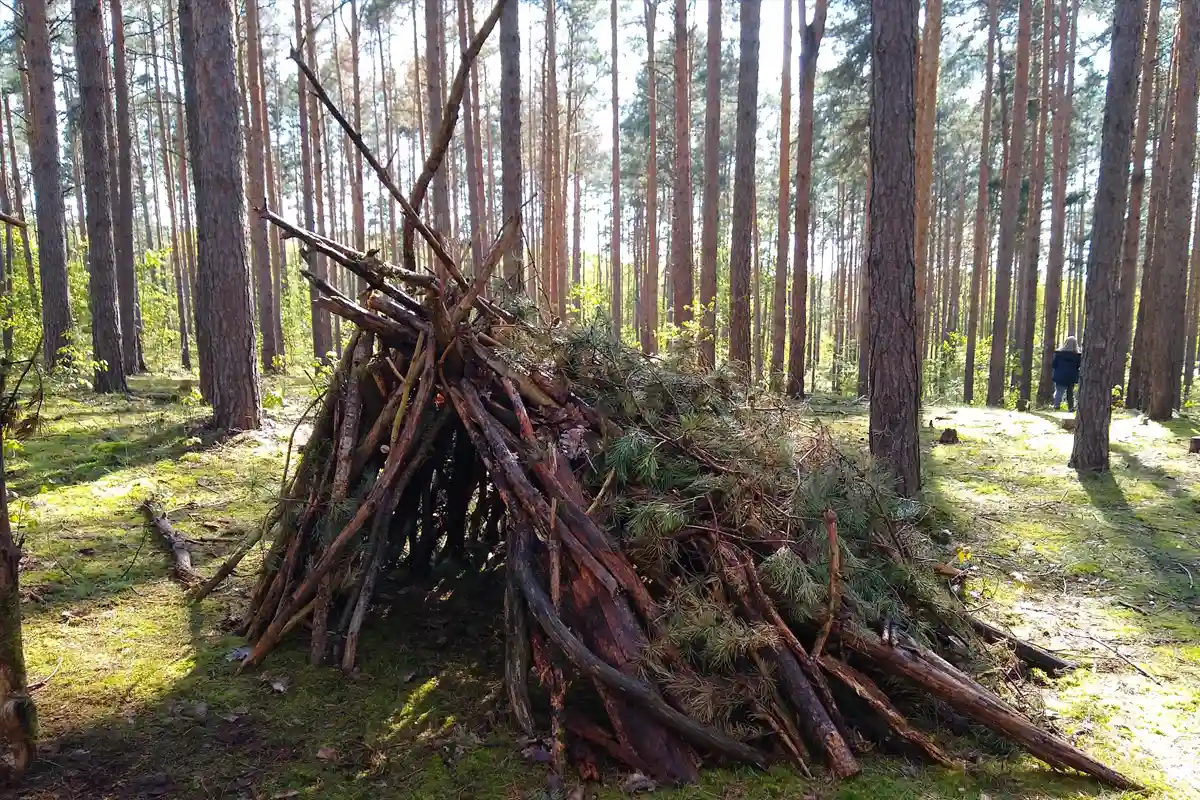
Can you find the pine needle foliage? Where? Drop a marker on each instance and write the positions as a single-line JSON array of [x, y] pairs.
[[699, 452]]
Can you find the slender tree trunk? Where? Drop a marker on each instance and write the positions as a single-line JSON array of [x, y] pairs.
[[681, 213], [1137, 188], [1009, 208], [123, 201], [982, 234], [710, 203], [1033, 219], [1193, 309], [223, 279], [35, 300], [321, 344], [510, 137], [744, 186], [471, 142], [892, 262], [277, 254], [43, 117], [19, 727], [810, 45], [1060, 137], [357, 199], [177, 258], [256, 180], [90, 56], [782, 230], [649, 330], [1095, 392], [439, 189], [862, 316], [1160, 178], [615, 254], [1165, 341], [927, 80]]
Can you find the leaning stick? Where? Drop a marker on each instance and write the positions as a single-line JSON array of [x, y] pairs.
[[835, 565]]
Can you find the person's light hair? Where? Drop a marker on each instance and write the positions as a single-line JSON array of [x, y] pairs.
[[1070, 345]]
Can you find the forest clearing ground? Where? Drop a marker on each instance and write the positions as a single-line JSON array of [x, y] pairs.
[[144, 701]]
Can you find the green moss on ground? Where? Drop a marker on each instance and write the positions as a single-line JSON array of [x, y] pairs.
[[145, 702]]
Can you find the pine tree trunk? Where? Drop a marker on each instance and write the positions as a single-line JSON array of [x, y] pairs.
[[1033, 219], [277, 260], [649, 329], [510, 137], [123, 201], [1165, 341], [615, 252], [810, 45], [894, 362], [1151, 269], [256, 197], [782, 229], [927, 80], [681, 212], [90, 56], [1009, 208], [20, 725], [35, 301], [51, 214], [744, 186], [222, 276], [863, 317], [1193, 309], [357, 201], [1095, 392], [439, 189], [1137, 188], [982, 234], [471, 143], [1061, 140], [177, 258], [187, 234], [321, 344], [710, 203]]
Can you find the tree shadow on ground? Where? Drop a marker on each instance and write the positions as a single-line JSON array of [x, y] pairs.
[[417, 719]]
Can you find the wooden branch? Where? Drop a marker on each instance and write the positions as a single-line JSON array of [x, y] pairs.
[[379, 540], [412, 218], [441, 142], [865, 688], [483, 272], [591, 665], [386, 329], [980, 705], [835, 565], [173, 541], [399, 468], [1029, 653], [9, 219]]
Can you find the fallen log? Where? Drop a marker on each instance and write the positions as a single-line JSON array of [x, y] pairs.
[[982, 707], [1028, 652], [173, 541]]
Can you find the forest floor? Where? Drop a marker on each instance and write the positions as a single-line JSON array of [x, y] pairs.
[[144, 700]]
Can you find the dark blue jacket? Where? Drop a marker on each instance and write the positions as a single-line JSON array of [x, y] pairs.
[[1066, 367]]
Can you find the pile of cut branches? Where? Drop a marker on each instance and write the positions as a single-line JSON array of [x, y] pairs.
[[692, 571]]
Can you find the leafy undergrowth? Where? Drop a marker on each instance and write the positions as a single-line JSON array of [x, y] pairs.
[[145, 702]]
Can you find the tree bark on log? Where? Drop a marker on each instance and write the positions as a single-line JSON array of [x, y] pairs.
[[175, 543]]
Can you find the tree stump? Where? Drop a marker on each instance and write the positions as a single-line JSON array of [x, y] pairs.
[[1194, 445], [949, 436]]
